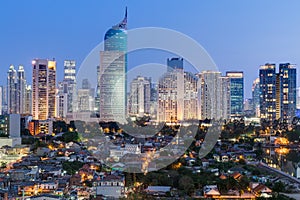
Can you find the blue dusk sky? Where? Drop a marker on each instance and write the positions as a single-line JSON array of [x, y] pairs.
[[238, 35]]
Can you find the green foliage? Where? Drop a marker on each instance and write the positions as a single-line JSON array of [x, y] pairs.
[[72, 167], [70, 137], [293, 156], [278, 187], [186, 184]]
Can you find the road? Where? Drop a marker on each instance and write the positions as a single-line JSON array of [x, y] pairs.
[[293, 179]]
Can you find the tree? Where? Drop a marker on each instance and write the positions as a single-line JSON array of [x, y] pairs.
[[186, 184]]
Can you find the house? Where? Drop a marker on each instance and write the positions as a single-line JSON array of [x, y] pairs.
[[158, 190], [260, 190], [44, 197], [110, 186], [210, 191]]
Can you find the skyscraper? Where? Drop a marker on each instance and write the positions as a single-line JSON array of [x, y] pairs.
[[214, 94], [43, 89], [112, 72], [1, 100], [298, 98], [236, 92], [256, 97], [177, 94], [139, 98], [287, 73], [190, 99], [267, 80], [12, 90], [67, 95], [28, 100], [86, 97], [21, 87], [278, 92], [171, 93]]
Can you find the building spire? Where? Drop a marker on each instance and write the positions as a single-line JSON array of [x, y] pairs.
[[123, 23]]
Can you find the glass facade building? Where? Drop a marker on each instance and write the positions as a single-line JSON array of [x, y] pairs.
[[236, 93], [111, 86]]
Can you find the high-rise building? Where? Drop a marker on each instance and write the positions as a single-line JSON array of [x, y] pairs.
[[12, 90], [28, 100], [61, 105], [287, 74], [139, 97], [248, 107], [190, 99], [171, 93], [70, 81], [21, 87], [66, 99], [43, 89], [1, 100], [236, 92], [85, 97], [256, 97], [278, 92], [177, 94], [267, 82], [113, 68], [4, 100], [175, 63], [10, 130], [16, 86], [298, 98], [214, 94]]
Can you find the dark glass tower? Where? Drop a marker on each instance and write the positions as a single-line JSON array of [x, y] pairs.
[[287, 73], [236, 93], [267, 80]]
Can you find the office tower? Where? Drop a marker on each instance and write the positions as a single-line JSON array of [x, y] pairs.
[[43, 89], [287, 88], [170, 96], [175, 63], [190, 104], [85, 97], [214, 95], [61, 105], [10, 130], [1, 99], [139, 97], [225, 97], [248, 106], [267, 80], [153, 101], [97, 98], [236, 93], [21, 87], [256, 97], [70, 84], [12, 90], [278, 92], [28, 100], [298, 98], [113, 68], [4, 100], [177, 94]]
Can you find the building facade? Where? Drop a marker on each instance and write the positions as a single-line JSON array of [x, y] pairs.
[[112, 74], [236, 92], [214, 95], [256, 97], [139, 97], [278, 92], [43, 89]]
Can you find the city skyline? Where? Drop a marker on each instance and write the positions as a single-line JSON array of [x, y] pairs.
[[284, 44]]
